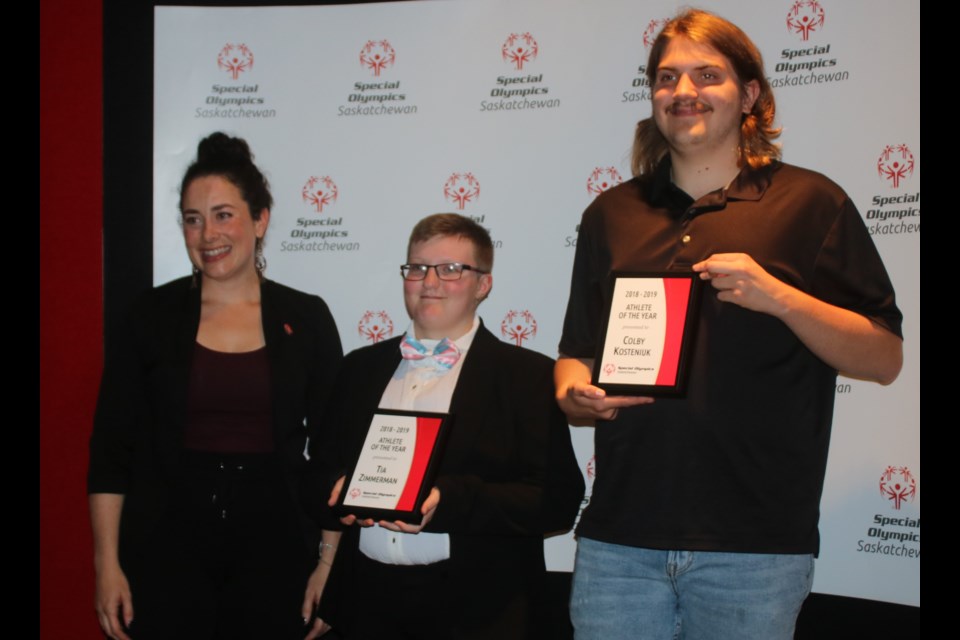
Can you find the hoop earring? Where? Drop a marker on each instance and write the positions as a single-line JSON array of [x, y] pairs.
[[259, 262]]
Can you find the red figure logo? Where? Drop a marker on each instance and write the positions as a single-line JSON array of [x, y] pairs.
[[235, 58], [461, 188], [805, 17], [609, 368], [519, 48], [592, 468], [375, 326], [897, 484], [377, 55], [602, 179], [518, 326], [895, 163], [652, 30], [354, 493], [319, 192]]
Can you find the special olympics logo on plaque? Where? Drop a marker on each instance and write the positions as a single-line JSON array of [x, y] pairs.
[[235, 58], [461, 188], [602, 179], [519, 48], [319, 191], [354, 493], [897, 485], [805, 17], [895, 163], [375, 326], [377, 55], [609, 368], [518, 326], [652, 31]]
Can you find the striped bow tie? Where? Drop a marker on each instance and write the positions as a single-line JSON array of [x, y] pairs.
[[443, 356]]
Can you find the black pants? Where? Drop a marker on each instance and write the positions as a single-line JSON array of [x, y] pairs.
[[228, 560], [424, 603]]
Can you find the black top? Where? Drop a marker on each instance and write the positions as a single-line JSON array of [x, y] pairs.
[[137, 444], [738, 464], [228, 402]]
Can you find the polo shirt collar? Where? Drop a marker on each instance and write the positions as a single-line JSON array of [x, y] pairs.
[[750, 184]]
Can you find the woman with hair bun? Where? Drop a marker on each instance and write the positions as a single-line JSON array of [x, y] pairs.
[[205, 408]]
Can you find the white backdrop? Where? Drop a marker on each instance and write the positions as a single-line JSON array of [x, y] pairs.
[[368, 117]]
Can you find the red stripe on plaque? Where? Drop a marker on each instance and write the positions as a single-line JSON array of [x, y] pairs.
[[677, 294], [427, 431]]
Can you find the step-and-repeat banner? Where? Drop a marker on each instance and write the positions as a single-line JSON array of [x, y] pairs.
[[518, 113]]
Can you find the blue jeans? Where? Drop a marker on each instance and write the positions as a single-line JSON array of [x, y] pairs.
[[638, 594]]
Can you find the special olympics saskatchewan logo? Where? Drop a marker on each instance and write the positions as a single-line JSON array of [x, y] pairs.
[[375, 326], [898, 485], [461, 188], [602, 179], [652, 31], [805, 17], [319, 191], [895, 164], [519, 48], [235, 58], [354, 493], [518, 326], [377, 55], [609, 368]]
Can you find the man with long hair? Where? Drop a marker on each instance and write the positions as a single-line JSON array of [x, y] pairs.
[[703, 519]]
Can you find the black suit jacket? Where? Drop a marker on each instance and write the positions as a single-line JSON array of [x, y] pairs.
[[136, 448], [508, 475]]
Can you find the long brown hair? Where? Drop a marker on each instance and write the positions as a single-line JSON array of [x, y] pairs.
[[757, 132]]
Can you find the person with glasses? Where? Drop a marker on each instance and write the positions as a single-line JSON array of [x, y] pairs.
[[472, 566]]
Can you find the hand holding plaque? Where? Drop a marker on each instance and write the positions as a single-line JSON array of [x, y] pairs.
[[393, 475], [647, 338]]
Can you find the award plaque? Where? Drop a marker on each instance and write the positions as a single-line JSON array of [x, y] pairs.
[[647, 339], [395, 471]]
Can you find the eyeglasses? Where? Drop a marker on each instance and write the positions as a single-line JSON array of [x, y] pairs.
[[445, 271]]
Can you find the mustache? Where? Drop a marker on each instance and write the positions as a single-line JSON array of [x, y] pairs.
[[688, 105]]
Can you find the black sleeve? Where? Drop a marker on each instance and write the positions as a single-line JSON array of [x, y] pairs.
[[542, 489], [849, 272], [118, 417], [327, 359], [591, 264]]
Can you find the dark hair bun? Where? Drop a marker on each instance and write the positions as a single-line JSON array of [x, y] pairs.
[[220, 149], [230, 158]]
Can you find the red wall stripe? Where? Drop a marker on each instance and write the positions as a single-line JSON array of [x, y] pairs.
[[71, 302]]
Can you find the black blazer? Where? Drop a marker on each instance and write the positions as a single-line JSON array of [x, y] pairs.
[[508, 475], [136, 446]]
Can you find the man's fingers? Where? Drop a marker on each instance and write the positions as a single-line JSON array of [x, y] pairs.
[[620, 402], [586, 391]]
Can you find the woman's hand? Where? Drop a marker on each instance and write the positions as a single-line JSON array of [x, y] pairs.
[[311, 599], [113, 601], [317, 583]]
